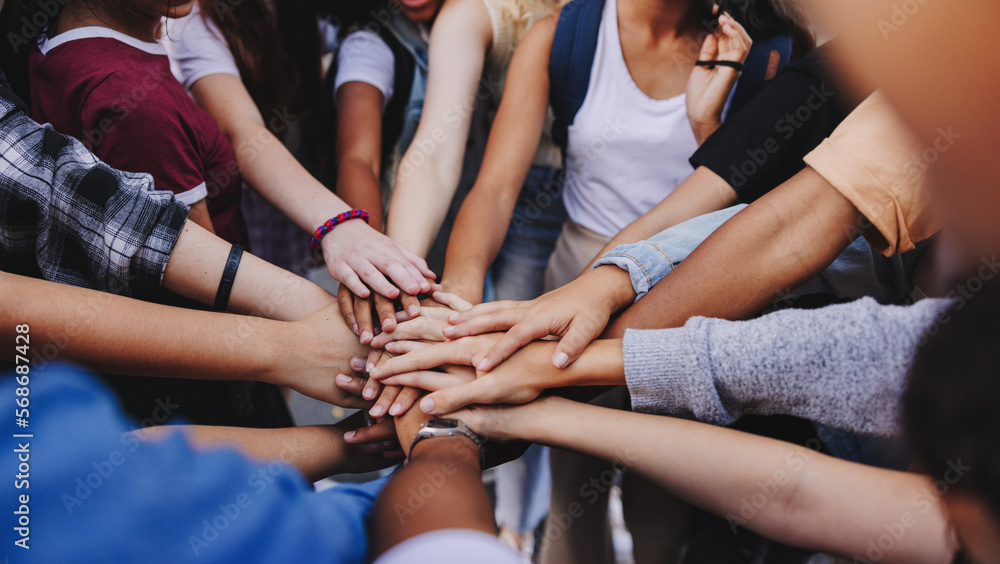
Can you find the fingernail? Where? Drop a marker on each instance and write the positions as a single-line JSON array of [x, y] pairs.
[[357, 363], [483, 364], [427, 405], [376, 411], [368, 394], [343, 379], [453, 316], [355, 328], [448, 331], [561, 359], [370, 367], [395, 409], [366, 336], [349, 435], [414, 309]]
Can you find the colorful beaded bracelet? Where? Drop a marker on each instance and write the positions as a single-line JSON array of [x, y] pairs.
[[322, 230]]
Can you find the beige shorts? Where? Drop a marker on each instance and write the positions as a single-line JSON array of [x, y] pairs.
[[576, 248]]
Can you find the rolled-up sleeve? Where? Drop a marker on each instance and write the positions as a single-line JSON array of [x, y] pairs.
[[877, 164], [67, 217], [648, 262]]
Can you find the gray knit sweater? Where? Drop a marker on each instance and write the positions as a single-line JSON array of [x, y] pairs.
[[843, 365]]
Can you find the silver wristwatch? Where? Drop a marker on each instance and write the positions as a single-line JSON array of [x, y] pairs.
[[448, 428]]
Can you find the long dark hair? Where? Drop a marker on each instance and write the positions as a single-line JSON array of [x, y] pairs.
[[22, 23], [277, 52]]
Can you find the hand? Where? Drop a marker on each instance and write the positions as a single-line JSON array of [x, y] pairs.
[[360, 257], [505, 423], [377, 440], [407, 426], [517, 380], [708, 87], [310, 353], [577, 312], [429, 325], [392, 400], [357, 311], [377, 437]]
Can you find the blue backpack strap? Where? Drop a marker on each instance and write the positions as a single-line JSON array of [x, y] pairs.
[[754, 75], [573, 49]]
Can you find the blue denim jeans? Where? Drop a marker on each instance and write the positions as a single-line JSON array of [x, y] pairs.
[[519, 270], [523, 486]]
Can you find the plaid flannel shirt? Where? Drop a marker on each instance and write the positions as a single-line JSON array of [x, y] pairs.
[[67, 217]]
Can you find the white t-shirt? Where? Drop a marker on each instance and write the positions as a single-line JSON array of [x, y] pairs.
[[197, 49], [625, 150], [450, 546], [365, 57]]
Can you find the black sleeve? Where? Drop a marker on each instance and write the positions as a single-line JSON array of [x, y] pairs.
[[763, 145]]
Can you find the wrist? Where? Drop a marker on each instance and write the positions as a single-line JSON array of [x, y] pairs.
[[457, 448], [614, 286], [464, 287], [268, 347], [338, 223], [601, 364]]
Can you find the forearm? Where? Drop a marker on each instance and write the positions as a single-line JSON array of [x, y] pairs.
[[476, 238], [783, 239], [844, 365], [260, 288], [318, 451], [451, 467], [264, 162], [118, 335], [429, 172], [601, 364], [421, 198], [806, 494], [358, 185], [272, 171]]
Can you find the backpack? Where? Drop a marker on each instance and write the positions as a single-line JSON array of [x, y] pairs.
[[575, 44]]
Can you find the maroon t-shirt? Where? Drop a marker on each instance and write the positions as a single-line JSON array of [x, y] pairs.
[[117, 95]]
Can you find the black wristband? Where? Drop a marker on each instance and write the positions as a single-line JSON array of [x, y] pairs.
[[712, 64], [228, 277]]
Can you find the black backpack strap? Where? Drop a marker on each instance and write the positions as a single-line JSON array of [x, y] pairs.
[[573, 49]]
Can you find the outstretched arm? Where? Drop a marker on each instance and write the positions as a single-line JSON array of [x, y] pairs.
[[451, 468], [359, 148], [785, 492], [318, 451], [355, 253], [482, 222], [782, 240], [196, 265], [120, 335], [428, 173]]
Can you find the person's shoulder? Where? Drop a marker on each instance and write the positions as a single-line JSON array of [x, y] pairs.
[[816, 64]]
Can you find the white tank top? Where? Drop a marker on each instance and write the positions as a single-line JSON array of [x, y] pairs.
[[625, 150]]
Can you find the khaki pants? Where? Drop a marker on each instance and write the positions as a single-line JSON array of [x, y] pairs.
[[576, 248]]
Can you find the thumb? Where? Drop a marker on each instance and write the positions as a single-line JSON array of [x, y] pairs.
[[709, 48], [580, 334]]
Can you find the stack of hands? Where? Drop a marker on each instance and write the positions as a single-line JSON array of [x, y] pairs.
[[483, 364]]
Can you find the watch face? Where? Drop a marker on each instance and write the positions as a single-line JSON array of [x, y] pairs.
[[443, 424]]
